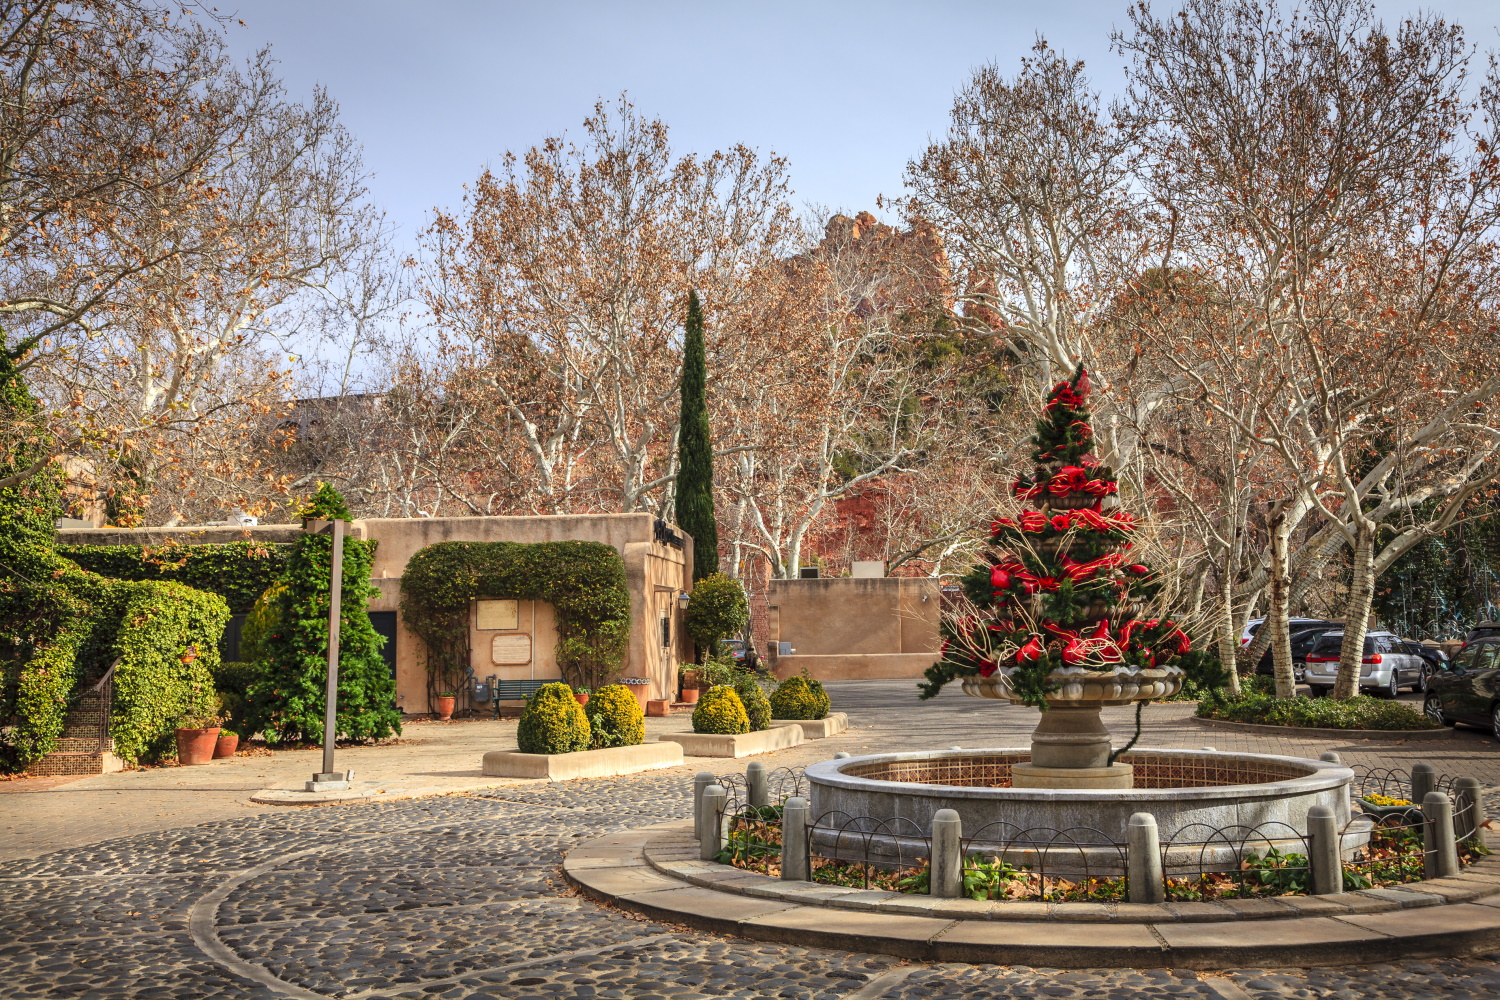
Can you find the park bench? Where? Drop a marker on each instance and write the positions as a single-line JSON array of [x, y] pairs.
[[515, 691]]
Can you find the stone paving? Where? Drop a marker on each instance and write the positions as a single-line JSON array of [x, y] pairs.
[[460, 896]]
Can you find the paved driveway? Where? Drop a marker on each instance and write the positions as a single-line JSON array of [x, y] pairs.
[[459, 896]]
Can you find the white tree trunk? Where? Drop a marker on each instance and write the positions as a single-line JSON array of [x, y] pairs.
[[1277, 616], [1357, 611]]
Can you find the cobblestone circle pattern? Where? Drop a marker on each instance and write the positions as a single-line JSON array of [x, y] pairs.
[[461, 897]]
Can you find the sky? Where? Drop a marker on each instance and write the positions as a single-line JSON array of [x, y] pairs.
[[847, 91]]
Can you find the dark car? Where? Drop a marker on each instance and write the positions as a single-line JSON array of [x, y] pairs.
[[1467, 690], [1484, 630], [1432, 659], [1302, 644]]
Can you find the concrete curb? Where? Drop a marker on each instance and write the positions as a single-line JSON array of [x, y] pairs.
[[645, 871], [741, 745], [1390, 735], [604, 763]]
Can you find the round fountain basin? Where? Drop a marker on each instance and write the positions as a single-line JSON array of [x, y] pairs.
[[1208, 804]]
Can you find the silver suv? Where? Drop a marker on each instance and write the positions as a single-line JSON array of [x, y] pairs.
[[1385, 666]]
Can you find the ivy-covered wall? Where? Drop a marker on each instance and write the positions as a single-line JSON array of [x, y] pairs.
[[583, 581], [239, 572]]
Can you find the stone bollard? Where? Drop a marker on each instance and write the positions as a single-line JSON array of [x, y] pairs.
[[1324, 851], [1143, 883], [1423, 780], [1468, 809], [757, 788], [701, 781], [794, 860], [946, 878], [1331, 757], [711, 834], [842, 755], [1439, 851]]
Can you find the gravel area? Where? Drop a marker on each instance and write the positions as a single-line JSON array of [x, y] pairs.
[[461, 897]]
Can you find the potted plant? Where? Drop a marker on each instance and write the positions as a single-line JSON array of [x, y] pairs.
[[581, 695], [227, 743], [445, 703], [691, 679], [197, 738]]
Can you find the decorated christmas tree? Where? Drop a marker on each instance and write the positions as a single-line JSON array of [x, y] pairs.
[[1058, 599]]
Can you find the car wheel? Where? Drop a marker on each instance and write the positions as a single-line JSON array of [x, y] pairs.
[[1393, 687], [1421, 684], [1432, 707]]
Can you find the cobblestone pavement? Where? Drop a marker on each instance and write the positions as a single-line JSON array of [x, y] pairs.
[[460, 897]]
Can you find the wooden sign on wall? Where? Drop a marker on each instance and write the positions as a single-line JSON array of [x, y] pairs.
[[499, 614], [512, 650]]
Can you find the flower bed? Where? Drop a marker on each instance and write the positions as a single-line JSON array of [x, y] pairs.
[[1362, 712]]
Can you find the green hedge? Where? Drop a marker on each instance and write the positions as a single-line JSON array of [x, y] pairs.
[[239, 572], [583, 581], [757, 707], [1362, 712]]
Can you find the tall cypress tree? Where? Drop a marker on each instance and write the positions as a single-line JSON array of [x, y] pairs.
[[695, 453]]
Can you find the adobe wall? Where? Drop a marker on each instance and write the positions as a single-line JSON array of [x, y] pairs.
[[849, 628]]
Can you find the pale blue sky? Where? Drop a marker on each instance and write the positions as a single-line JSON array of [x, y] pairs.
[[847, 91]]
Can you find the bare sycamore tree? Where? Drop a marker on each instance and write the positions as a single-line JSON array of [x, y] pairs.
[[1311, 169], [161, 203], [1031, 190], [568, 272]]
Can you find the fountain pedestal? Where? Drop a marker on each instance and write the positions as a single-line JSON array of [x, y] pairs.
[[1070, 748]]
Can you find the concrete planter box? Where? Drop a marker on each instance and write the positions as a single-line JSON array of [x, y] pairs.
[[816, 729], [583, 764], [741, 745]]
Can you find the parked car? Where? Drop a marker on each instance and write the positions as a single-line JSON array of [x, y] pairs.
[[1483, 630], [1433, 659], [1467, 689], [1302, 644], [1385, 665], [1295, 625]]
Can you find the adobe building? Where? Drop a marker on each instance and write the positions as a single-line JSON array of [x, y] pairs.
[[509, 639]]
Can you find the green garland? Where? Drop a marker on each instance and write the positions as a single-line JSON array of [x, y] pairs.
[[583, 581]]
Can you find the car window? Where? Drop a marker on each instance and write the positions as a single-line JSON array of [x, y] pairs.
[[1328, 645], [1485, 660]]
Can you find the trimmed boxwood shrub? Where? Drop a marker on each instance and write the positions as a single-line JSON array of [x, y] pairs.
[[757, 708], [615, 717], [553, 722], [799, 697], [720, 711], [260, 623], [1362, 712]]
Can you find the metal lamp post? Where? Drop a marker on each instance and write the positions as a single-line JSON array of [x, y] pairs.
[[329, 780]]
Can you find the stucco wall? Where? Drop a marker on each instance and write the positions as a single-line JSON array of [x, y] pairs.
[[843, 616]]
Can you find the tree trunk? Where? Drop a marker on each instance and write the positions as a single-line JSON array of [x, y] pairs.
[[1357, 611], [1279, 612], [1229, 643]]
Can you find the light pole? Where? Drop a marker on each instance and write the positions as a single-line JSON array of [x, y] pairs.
[[329, 780]]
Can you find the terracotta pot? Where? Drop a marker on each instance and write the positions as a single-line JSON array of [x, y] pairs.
[[692, 679], [690, 695], [226, 745], [445, 708], [196, 746], [580, 697]]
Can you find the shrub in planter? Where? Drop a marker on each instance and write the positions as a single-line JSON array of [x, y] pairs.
[[1362, 712], [615, 717], [799, 697], [716, 608], [553, 722], [720, 711], [757, 708]]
